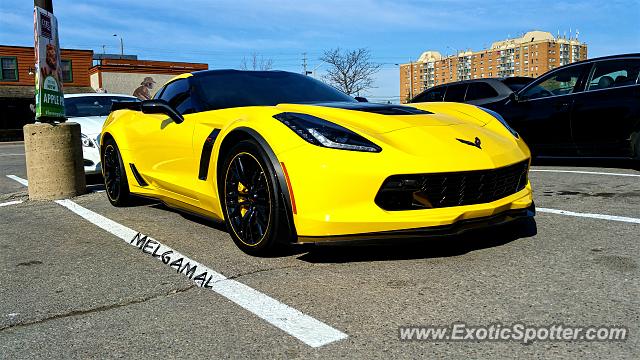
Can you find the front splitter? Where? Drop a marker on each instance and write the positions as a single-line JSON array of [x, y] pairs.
[[456, 228]]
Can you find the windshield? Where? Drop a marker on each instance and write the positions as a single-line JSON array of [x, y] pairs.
[[91, 105], [228, 89]]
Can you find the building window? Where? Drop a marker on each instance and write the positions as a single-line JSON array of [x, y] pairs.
[[9, 66], [67, 71]]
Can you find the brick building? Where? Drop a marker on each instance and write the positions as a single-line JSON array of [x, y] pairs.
[[533, 54], [17, 81], [83, 72]]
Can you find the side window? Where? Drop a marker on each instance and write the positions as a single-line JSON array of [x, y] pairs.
[[436, 94], [608, 74], [8, 69], [67, 71], [561, 82], [158, 93], [455, 93], [177, 94], [480, 90], [420, 98]]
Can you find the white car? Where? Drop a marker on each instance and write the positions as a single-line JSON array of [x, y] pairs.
[[90, 110]]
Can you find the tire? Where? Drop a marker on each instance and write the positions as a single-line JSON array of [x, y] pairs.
[[250, 197], [115, 176]]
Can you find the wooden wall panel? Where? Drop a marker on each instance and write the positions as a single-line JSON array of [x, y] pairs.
[[81, 61]]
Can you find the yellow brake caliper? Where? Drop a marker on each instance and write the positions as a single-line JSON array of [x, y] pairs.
[[242, 199]]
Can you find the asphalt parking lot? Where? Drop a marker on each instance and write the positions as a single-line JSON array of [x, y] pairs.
[[73, 287]]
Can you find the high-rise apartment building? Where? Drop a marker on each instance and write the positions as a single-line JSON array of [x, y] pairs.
[[533, 54]]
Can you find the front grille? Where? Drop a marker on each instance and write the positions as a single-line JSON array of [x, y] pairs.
[[427, 191]]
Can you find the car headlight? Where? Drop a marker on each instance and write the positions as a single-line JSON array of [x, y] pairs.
[[86, 141], [323, 133], [502, 121]]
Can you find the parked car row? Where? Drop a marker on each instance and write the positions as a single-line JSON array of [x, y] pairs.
[[587, 109], [476, 92]]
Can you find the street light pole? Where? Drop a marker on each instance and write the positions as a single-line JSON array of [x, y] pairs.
[[121, 45], [410, 71]]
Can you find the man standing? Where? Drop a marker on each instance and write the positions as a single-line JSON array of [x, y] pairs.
[[142, 92]]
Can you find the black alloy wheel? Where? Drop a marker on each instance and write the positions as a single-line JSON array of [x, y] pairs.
[[247, 198], [251, 200], [115, 177]]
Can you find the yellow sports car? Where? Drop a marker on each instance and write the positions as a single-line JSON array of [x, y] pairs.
[[283, 158]]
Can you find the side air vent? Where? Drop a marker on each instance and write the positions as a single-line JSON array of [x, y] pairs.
[[205, 156], [137, 175]]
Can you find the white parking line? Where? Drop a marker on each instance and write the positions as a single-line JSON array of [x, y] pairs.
[[592, 216], [10, 203], [305, 328], [18, 179], [26, 183], [543, 210], [583, 172], [2, 155]]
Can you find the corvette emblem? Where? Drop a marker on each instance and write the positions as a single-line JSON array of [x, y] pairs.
[[475, 143]]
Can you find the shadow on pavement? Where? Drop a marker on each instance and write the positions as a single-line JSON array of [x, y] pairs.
[[396, 249], [94, 182], [435, 247], [191, 217]]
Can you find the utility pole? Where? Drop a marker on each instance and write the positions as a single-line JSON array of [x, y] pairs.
[[304, 63], [53, 147]]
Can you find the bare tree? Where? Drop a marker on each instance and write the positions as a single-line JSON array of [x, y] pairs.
[[351, 70], [256, 62]]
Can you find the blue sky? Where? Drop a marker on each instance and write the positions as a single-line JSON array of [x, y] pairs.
[[221, 32]]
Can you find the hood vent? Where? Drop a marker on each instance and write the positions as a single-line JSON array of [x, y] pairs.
[[394, 110], [382, 109]]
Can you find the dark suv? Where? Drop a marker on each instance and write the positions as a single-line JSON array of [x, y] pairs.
[[588, 109], [477, 92]]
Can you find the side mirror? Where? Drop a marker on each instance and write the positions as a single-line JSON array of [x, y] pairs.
[[127, 104], [361, 99], [513, 97], [158, 106]]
